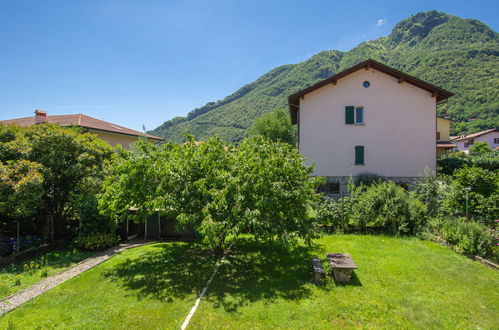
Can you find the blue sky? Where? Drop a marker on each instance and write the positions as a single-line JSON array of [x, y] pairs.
[[143, 62]]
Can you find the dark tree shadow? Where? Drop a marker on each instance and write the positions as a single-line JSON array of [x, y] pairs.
[[262, 270], [171, 270], [253, 271]]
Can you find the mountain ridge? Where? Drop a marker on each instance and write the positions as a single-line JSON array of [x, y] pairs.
[[459, 55]]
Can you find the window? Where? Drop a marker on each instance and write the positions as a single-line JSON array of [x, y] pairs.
[[366, 84], [359, 115], [330, 188], [354, 115], [496, 140], [359, 155], [468, 143]]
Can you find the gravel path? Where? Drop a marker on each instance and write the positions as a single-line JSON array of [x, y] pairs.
[[17, 299]]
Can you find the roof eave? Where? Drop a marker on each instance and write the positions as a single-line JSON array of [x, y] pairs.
[[440, 93]]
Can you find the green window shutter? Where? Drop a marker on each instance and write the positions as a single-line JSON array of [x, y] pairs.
[[359, 155], [349, 114]]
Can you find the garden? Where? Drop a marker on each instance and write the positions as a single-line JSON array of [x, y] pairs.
[[401, 282], [255, 203]]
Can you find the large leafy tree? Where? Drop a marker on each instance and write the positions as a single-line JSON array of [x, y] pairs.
[[20, 188], [275, 126], [260, 187], [63, 162]]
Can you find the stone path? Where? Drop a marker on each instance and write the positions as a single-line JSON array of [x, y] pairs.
[[17, 299]]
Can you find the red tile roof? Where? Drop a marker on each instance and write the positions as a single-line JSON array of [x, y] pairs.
[[474, 135], [83, 121]]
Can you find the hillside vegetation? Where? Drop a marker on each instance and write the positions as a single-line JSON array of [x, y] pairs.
[[460, 55]]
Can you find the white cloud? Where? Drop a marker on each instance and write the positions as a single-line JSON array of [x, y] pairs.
[[381, 22]]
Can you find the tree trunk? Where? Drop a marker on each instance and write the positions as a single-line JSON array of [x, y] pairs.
[[219, 250]]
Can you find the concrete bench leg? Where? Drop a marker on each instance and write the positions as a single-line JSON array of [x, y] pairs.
[[319, 277], [342, 275]]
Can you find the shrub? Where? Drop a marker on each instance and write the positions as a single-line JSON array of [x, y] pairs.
[[96, 241], [489, 161], [429, 191], [456, 160], [328, 213], [470, 238], [90, 219], [480, 148], [391, 207], [368, 179], [482, 197]]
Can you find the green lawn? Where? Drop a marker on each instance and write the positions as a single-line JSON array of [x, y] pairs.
[[150, 287], [402, 283], [16, 277]]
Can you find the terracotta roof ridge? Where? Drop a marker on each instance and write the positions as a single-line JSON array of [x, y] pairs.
[[474, 135]]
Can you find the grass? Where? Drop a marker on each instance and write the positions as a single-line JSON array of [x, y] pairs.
[[152, 287], [401, 283], [17, 277]]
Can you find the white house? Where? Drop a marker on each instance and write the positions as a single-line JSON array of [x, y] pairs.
[[464, 143], [369, 118]]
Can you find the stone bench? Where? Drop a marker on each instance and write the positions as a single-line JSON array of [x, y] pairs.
[[319, 272], [342, 266]]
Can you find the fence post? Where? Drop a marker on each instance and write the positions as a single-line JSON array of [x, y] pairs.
[[159, 226], [18, 238]]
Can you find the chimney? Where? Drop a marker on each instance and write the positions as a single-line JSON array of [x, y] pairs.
[[40, 117]]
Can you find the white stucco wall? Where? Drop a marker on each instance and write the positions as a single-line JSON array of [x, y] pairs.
[[489, 138], [398, 135]]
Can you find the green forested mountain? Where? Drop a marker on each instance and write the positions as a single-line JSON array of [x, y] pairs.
[[460, 55]]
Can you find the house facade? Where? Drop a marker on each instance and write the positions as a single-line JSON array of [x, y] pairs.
[[368, 119], [444, 144], [112, 133], [464, 143]]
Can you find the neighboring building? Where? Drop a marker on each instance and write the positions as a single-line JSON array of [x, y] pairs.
[[464, 143], [444, 145], [370, 118], [112, 133]]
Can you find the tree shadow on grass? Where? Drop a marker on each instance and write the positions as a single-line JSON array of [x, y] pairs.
[[170, 270], [262, 271], [253, 271]]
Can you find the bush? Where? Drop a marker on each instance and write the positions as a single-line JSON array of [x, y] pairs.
[[457, 160], [470, 238], [368, 179], [482, 197], [429, 191], [96, 241], [328, 212], [489, 161], [8, 245], [480, 148], [391, 207], [90, 219], [451, 162]]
